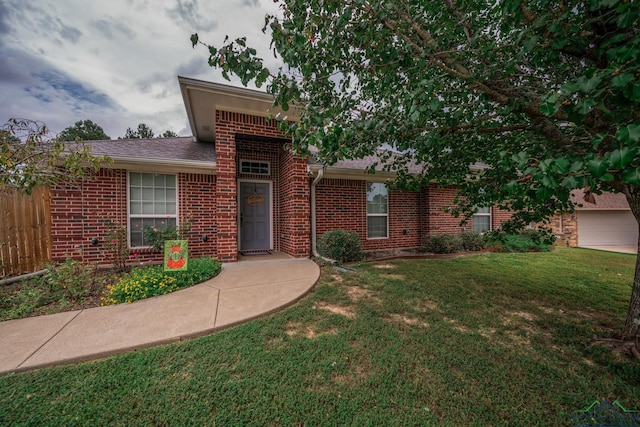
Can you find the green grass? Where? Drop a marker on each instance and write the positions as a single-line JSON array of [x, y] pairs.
[[488, 339]]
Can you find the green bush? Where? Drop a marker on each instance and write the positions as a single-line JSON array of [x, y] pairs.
[[528, 240], [340, 245], [155, 237], [443, 243], [146, 282], [74, 278], [472, 241]]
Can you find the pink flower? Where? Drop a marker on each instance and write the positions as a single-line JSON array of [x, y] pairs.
[[132, 256]]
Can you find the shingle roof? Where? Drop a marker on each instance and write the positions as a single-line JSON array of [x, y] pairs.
[[602, 201], [178, 149], [367, 161]]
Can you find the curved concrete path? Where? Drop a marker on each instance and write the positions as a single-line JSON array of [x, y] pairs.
[[242, 291]]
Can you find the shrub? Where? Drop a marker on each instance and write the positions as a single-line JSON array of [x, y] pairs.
[[528, 240], [472, 241], [116, 244], [156, 237], [340, 245], [443, 243], [151, 281], [73, 277]]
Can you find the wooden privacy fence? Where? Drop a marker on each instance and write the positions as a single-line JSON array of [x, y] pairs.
[[25, 231]]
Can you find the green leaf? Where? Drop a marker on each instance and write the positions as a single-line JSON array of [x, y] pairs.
[[435, 105], [632, 92], [631, 176], [545, 165], [513, 187], [520, 159], [628, 17], [550, 105], [620, 158], [597, 166], [576, 166], [629, 133], [587, 85], [621, 80], [597, 140], [544, 193], [530, 43], [584, 106], [570, 182], [561, 166], [569, 88], [549, 181]]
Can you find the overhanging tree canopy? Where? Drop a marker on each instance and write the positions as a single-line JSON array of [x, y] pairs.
[[545, 94], [30, 156]]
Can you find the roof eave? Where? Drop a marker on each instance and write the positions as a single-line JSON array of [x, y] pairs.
[[162, 165], [202, 99]]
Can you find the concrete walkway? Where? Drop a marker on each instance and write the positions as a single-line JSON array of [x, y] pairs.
[[622, 249], [242, 291]]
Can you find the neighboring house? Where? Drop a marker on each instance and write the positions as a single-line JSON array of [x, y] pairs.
[[243, 189], [607, 222]]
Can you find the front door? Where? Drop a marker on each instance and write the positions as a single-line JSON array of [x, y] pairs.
[[255, 216]]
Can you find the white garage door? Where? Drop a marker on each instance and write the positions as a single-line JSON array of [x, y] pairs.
[[606, 228]]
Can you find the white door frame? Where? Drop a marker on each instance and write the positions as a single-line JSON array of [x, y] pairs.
[[238, 208]]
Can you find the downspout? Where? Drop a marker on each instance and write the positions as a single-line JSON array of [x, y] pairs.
[[314, 249]]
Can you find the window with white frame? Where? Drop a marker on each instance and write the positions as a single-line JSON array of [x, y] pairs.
[[153, 202], [254, 167], [377, 210], [482, 220]]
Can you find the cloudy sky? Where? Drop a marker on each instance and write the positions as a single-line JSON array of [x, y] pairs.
[[115, 62]]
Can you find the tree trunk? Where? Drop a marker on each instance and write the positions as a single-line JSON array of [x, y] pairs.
[[632, 323]]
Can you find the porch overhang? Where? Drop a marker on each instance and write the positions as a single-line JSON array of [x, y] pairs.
[[202, 99]]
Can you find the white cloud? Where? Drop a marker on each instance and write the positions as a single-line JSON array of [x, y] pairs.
[[114, 62]]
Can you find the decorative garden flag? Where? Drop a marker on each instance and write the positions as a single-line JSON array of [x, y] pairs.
[[176, 255]]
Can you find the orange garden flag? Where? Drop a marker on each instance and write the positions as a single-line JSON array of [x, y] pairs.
[[176, 255]]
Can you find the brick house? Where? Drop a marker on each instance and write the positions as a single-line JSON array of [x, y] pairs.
[[243, 189], [605, 220]]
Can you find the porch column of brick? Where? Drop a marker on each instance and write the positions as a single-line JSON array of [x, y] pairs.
[[296, 211], [226, 206]]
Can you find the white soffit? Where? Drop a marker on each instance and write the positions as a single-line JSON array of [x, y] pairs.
[[202, 99]]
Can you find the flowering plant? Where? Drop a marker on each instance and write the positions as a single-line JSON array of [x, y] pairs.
[[156, 236], [116, 244]]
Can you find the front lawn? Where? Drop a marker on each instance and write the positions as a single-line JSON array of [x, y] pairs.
[[488, 339]]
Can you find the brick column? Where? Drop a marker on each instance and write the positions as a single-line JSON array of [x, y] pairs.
[[296, 211], [226, 205]]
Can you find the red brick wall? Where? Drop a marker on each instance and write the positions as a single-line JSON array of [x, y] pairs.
[[79, 211], [197, 201], [233, 143], [295, 210], [341, 204], [439, 219], [498, 216]]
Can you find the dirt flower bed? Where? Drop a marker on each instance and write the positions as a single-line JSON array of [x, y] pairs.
[[73, 285]]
